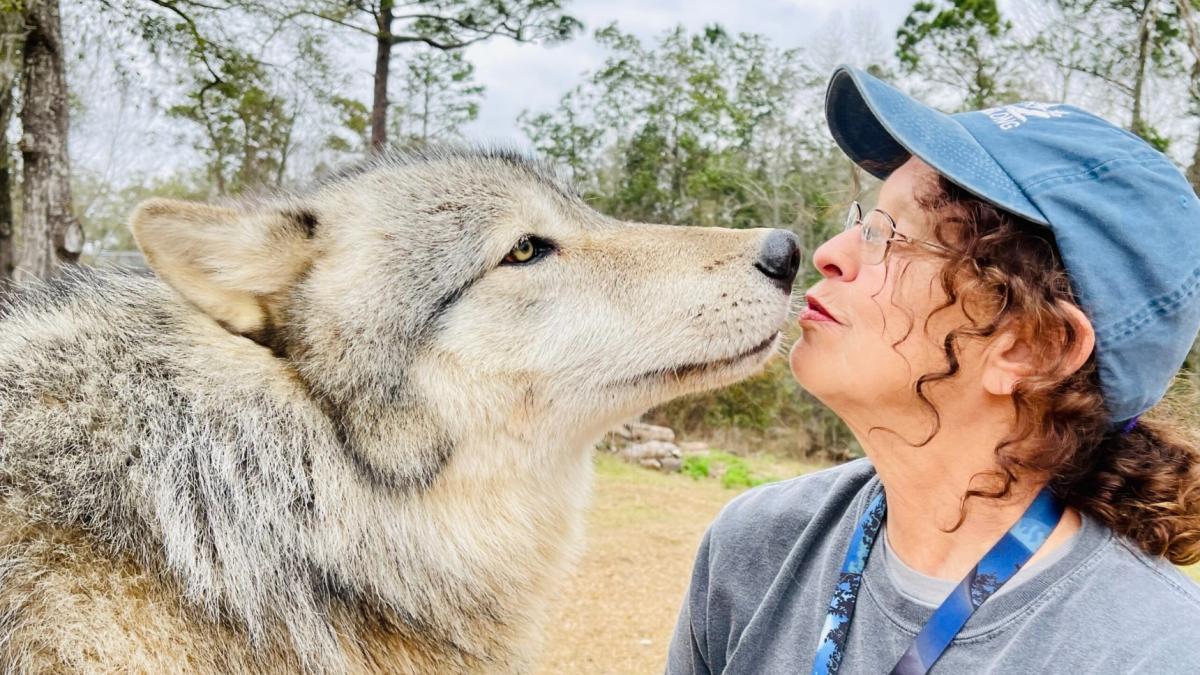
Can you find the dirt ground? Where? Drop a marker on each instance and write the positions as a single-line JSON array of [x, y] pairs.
[[618, 614]]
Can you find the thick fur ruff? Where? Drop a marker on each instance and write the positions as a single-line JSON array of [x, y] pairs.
[[339, 432]]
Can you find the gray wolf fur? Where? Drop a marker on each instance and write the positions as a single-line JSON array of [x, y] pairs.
[[339, 432]]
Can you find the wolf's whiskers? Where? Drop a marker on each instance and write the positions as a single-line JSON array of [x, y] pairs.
[[797, 304]]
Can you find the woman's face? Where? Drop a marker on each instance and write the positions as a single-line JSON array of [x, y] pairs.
[[850, 364]]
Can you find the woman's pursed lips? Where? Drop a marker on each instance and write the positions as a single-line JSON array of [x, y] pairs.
[[815, 311]]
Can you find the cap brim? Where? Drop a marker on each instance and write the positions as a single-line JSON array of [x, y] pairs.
[[879, 127]]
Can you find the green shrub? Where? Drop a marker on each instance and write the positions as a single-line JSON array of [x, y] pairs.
[[738, 475], [735, 471], [695, 466]]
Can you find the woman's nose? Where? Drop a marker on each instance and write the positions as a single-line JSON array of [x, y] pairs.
[[839, 256]]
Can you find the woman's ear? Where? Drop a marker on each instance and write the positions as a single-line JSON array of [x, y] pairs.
[[1085, 339], [1012, 357], [1008, 360]]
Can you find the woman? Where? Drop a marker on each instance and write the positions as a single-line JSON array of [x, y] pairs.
[[1027, 287]]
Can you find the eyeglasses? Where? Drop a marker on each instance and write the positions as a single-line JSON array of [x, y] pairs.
[[878, 231]]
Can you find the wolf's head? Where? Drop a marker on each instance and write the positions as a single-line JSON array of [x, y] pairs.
[[422, 299]]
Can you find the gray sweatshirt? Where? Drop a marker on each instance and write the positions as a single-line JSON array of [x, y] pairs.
[[766, 568]]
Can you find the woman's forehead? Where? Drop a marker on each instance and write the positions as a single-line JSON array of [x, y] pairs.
[[898, 195]]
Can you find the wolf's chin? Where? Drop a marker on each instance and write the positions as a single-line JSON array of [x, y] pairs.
[[707, 374], [735, 370]]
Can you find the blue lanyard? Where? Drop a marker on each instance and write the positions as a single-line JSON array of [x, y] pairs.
[[989, 574]]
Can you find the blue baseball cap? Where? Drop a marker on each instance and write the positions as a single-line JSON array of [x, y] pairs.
[[1125, 220]]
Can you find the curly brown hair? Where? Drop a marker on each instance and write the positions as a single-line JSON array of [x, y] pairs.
[[1144, 483]]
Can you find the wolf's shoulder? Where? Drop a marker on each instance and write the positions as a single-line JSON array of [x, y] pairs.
[[787, 507], [85, 325], [86, 293], [67, 602]]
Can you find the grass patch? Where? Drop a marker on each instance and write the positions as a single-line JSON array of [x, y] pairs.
[[696, 467], [737, 475], [735, 472]]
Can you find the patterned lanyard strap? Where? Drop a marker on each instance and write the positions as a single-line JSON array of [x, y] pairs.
[[989, 574]]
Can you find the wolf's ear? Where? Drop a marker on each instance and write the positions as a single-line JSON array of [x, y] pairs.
[[233, 264]]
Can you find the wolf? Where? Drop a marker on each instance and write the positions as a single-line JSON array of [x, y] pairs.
[[346, 430]]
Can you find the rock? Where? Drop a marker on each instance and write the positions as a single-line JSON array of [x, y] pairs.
[[671, 464], [621, 431], [648, 432], [650, 450], [650, 463], [692, 447]]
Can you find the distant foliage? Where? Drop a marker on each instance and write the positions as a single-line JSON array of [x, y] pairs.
[[964, 45], [438, 95], [1125, 44], [247, 128], [699, 129], [353, 134], [445, 26], [245, 87], [105, 207]]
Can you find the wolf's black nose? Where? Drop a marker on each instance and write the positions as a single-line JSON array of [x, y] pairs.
[[780, 258]]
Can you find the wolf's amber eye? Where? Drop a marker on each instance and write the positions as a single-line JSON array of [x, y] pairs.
[[523, 251], [526, 250]]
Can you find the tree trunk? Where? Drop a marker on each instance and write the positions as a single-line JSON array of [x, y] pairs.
[[50, 234], [286, 151], [383, 62], [1194, 168], [426, 95], [12, 36], [1192, 33], [1136, 124], [6, 203], [1193, 171]]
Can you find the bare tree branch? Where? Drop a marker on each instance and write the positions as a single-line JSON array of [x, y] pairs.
[[331, 19], [202, 44]]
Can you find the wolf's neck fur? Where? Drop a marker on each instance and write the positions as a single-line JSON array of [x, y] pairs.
[[485, 549], [458, 569]]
